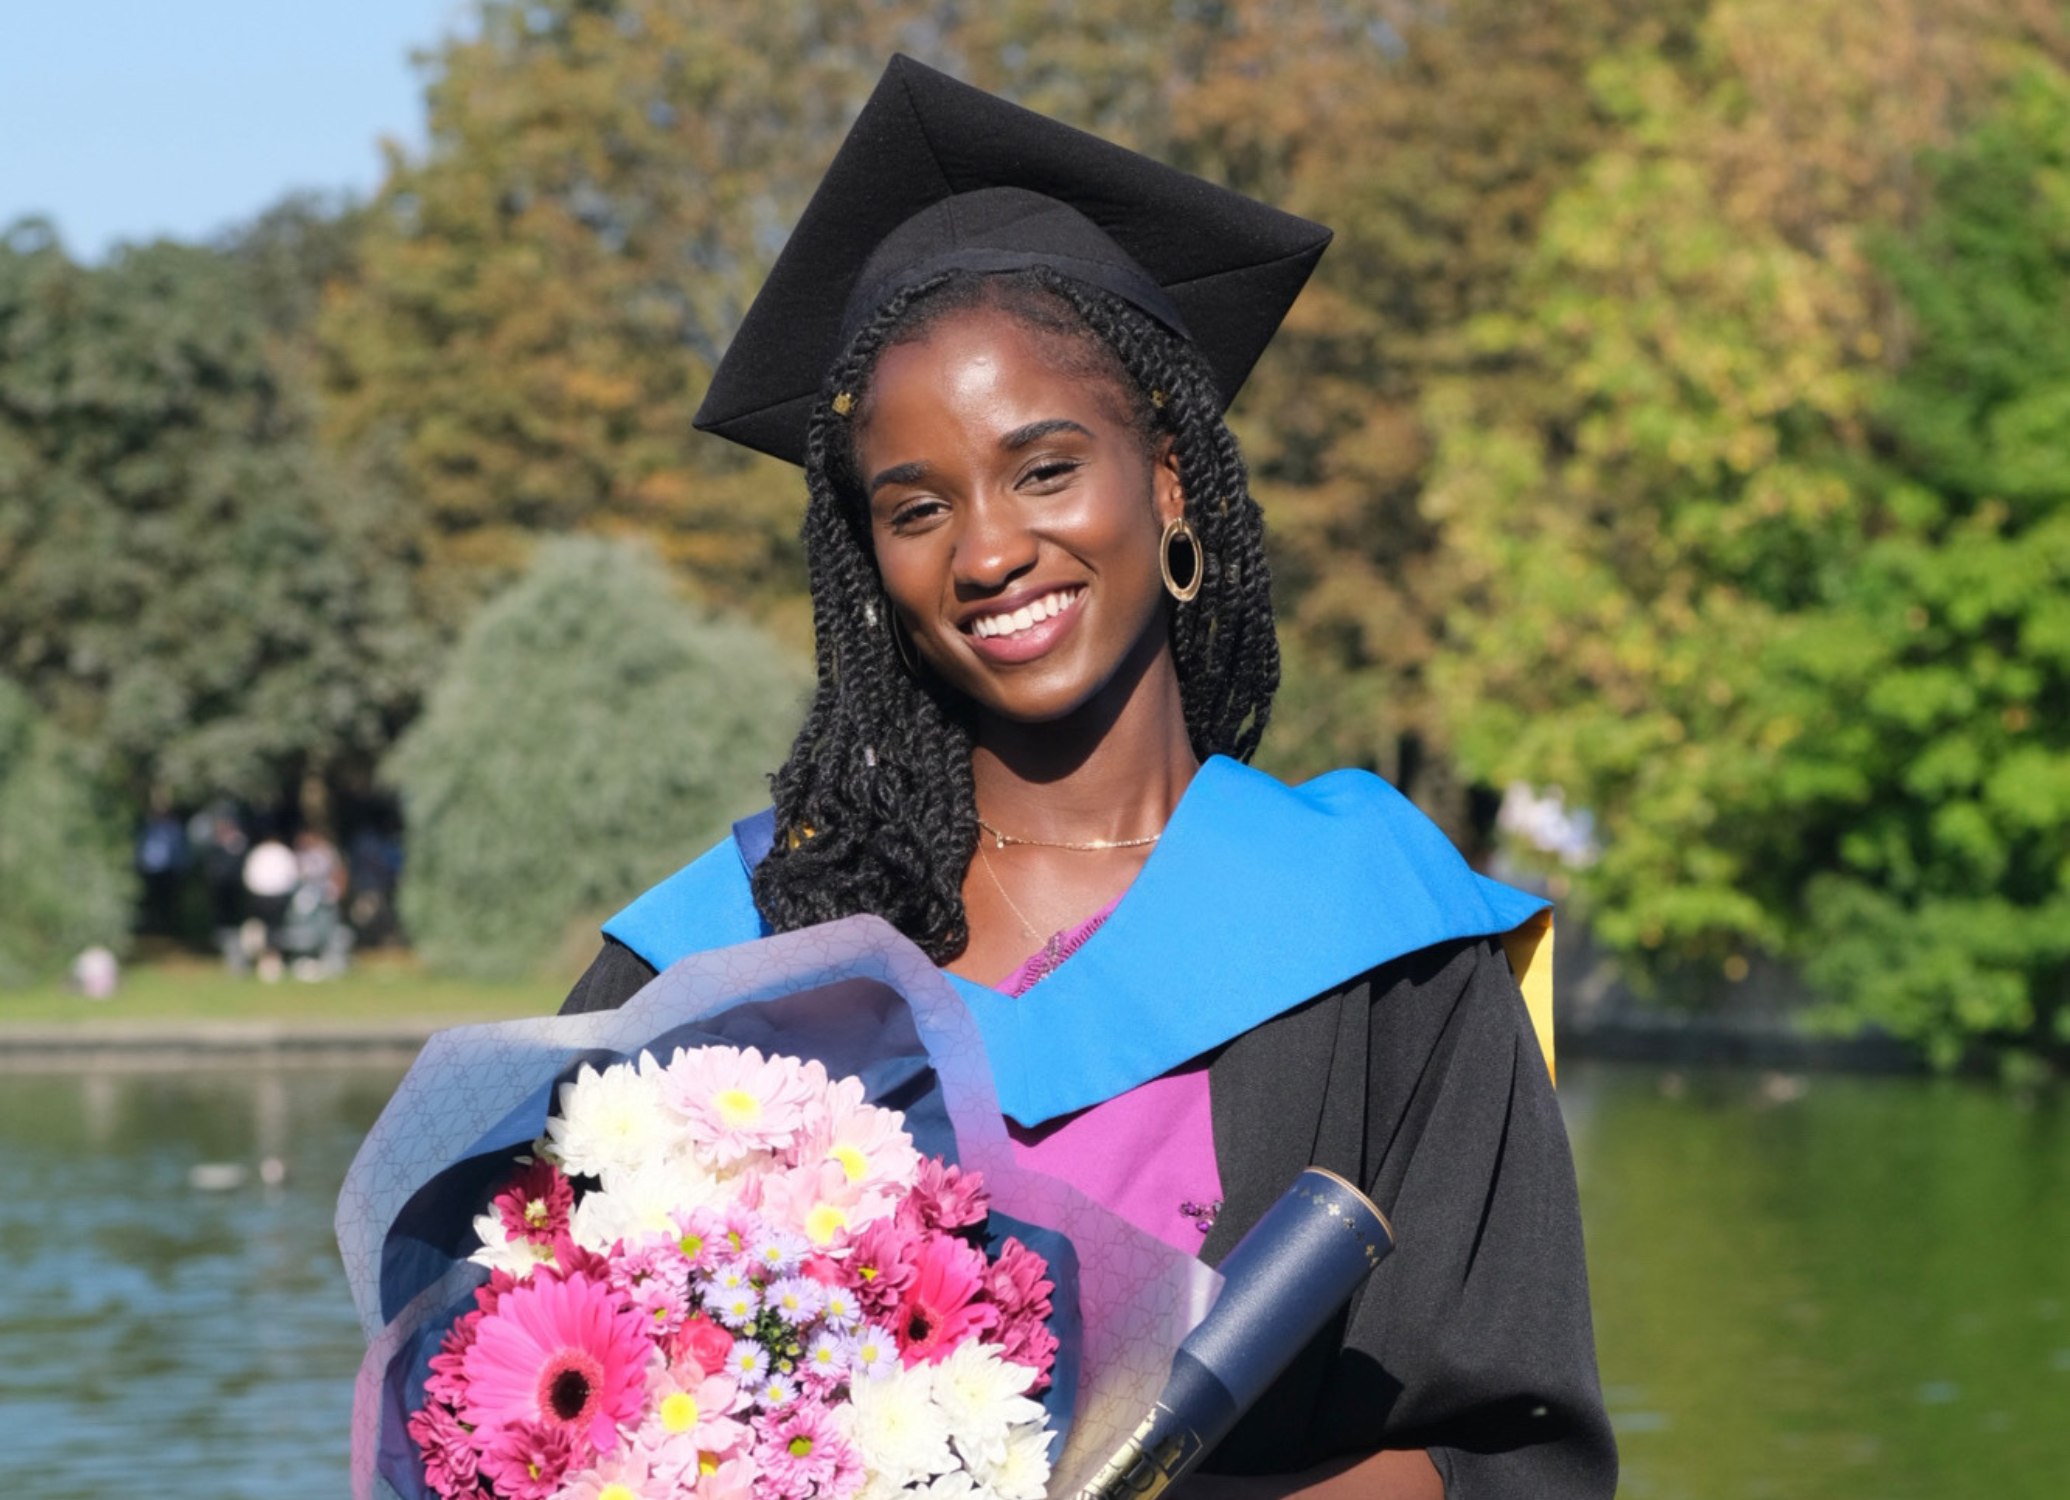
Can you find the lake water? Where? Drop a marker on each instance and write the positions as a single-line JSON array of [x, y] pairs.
[[1823, 1287]]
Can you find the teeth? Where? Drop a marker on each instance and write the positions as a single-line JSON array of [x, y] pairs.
[[1024, 618]]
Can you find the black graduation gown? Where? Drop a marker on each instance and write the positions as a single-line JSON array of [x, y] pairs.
[[1422, 1081]]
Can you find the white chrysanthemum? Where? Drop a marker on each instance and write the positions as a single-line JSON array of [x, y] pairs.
[[609, 1121], [501, 1252], [1023, 1473], [954, 1485], [981, 1396], [897, 1428]]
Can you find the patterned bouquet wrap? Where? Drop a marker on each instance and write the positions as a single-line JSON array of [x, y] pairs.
[[757, 1235]]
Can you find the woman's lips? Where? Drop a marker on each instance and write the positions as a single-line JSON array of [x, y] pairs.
[[1024, 633]]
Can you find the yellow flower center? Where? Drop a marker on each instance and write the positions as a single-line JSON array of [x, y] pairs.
[[852, 1161], [616, 1491], [678, 1413], [691, 1245], [707, 1463], [535, 1211], [737, 1108], [801, 1447], [824, 1222]]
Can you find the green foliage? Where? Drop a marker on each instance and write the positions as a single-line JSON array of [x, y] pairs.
[[590, 733], [65, 879], [1753, 577], [188, 584], [1946, 913]]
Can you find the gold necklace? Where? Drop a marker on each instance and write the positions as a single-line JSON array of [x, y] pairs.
[[1090, 846], [1011, 905]]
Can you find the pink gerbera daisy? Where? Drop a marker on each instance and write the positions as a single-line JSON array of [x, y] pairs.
[[561, 1354], [940, 1308]]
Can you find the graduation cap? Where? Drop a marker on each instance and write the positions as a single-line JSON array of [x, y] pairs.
[[936, 175]]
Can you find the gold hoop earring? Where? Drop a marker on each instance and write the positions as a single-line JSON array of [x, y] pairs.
[[1179, 530]]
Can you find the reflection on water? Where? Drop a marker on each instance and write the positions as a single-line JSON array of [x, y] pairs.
[[161, 1338], [1817, 1288], [1828, 1287]]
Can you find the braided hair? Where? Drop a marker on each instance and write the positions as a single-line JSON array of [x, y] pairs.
[[876, 810]]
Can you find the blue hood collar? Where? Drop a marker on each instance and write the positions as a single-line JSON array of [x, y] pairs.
[[1258, 897]]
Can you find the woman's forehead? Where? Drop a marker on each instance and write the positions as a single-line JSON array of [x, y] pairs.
[[987, 355]]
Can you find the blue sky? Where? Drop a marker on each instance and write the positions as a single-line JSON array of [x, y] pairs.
[[132, 119]]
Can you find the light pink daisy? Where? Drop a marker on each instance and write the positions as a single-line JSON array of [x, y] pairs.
[[561, 1354], [734, 1101], [622, 1476], [731, 1479], [803, 1455], [868, 1143]]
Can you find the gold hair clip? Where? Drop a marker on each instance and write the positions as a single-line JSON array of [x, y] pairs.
[[844, 404], [1158, 398]]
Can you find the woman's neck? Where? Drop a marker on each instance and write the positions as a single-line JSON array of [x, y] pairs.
[[1113, 770]]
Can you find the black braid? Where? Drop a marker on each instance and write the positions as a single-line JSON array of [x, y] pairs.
[[876, 809]]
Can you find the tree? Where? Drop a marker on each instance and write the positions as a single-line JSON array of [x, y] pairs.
[[544, 294], [189, 586], [590, 733], [65, 879], [1946, 913], [1660, 493]]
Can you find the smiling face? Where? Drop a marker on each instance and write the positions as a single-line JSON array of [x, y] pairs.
[[1015, 508]]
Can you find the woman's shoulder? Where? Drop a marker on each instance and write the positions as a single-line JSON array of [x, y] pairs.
[[708, 903]]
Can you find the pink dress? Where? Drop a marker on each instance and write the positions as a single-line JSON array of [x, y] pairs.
[[1147, 1154]]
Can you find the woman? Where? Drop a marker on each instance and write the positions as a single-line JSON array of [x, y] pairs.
[[1045, 651]]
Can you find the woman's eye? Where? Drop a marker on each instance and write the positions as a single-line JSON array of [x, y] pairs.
[[1050, 471], [913, 512]]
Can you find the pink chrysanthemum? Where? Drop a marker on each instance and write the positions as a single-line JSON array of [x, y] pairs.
[[560, 1354], [527, 1461], [803, 1456], [450, 1460], [881, 1261], [941, 1308], [537, 1203], [446, 1382], [654, 1280], [944, 1197], [734, 1101], [1018, 1284]]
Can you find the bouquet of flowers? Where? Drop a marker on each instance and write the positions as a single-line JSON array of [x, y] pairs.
[[757, 1235], [762, 1290]]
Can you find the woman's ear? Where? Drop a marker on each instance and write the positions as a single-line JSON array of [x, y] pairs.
[[1166, 493]]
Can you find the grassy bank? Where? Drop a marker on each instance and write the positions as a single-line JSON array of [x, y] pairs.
[[378, 987]]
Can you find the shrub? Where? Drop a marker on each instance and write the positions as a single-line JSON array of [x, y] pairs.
[[65, 878], [591, 733]]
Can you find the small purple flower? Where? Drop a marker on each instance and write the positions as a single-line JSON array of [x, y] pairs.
[[829, 1355], [778, 1252], [772, 1391], [874, 1351], [795, 1299], [748, 1362], [841, 1310]]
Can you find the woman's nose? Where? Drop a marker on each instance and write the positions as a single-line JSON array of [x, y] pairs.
[[995, 547]]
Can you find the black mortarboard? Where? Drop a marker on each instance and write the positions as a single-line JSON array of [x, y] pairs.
[[936, 174]]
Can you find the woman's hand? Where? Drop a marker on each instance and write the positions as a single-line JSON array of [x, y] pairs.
[[1391, 1474]]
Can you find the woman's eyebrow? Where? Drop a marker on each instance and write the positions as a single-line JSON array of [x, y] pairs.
[[906, 473], [1035, 432]]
